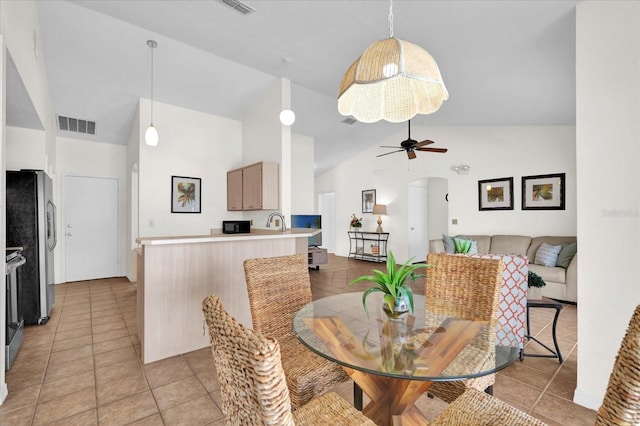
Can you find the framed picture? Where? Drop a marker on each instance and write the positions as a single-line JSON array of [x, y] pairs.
[[543, 192], [368, 200], [495, 194], [185, 194]]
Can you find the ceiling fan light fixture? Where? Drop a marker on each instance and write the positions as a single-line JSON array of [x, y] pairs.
[[393, 80]]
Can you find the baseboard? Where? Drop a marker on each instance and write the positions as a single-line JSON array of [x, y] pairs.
[[586, 400], [4, 392]]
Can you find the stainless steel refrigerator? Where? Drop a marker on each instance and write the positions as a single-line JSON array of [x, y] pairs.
[[31, 224]]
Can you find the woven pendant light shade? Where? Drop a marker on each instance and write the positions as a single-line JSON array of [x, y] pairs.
[[393, 80]]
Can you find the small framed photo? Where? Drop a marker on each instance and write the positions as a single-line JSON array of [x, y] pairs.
[[543, 192], [368, 200], [185, 194], [495, 194]]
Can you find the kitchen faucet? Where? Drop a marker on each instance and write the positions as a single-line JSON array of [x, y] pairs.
[[283, 227]]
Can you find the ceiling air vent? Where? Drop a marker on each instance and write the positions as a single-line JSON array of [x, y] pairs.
[[76, 125], [239, 6], [349, 120]]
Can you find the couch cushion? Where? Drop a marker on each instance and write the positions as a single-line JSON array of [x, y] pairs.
[[484, 242], [566, 254], [554, 241], [555, 274], [547, 255], [447, 240], [510, 244]]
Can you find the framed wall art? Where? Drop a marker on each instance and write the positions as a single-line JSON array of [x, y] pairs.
[[543, 192], [368, 200], [495, 194], [185, 194]]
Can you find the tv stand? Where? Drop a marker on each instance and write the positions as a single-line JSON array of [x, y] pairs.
[[317, 256]]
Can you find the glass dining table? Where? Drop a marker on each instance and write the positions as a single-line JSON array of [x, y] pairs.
[[394, 361]]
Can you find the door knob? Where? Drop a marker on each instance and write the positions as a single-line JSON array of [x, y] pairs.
[[69, 234]]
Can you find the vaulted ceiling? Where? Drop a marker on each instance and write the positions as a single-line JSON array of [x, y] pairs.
[[506, 62]]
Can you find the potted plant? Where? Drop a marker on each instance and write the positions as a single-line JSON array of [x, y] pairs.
[[535, 283], [398, 295], [356, 222]]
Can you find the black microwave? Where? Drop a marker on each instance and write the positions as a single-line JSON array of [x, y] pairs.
[[236, 226]]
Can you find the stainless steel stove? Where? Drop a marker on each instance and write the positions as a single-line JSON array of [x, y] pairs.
[[15, 325]]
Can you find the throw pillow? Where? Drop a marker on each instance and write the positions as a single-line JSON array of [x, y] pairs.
[[448, 243], [566, 254], [547, 255], [462, 245]]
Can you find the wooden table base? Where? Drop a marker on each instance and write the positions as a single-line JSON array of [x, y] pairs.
[[392, 400]]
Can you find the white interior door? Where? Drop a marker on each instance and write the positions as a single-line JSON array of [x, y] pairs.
[[91, 227], [327, 208], [418, 238]]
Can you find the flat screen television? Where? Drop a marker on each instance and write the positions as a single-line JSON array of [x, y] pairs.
[[313, 221]]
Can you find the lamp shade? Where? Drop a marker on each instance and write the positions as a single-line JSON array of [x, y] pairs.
[[393, 80], [379, 209]]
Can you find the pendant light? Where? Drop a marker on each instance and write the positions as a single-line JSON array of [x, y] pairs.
[[151, 135], [393, 80]]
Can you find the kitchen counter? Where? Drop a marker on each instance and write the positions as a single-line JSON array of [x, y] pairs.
[[176, 273], [217, 236]]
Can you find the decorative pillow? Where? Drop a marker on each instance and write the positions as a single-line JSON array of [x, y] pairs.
[[547, 255], [448, 243], [566, 254], [462, 245]]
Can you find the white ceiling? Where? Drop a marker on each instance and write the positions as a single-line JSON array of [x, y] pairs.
[[505, 62]]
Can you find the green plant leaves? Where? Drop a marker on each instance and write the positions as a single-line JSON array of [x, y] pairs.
[[393, 283]]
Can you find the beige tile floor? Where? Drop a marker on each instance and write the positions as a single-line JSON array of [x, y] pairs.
[[83, 367]]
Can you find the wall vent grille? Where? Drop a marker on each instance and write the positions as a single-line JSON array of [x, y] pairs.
[[68, 124], [239, 6]]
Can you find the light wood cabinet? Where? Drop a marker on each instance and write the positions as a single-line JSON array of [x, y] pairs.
[[234, 190], [254, 187]]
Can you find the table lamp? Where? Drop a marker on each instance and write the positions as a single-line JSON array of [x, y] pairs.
[[379, 209]]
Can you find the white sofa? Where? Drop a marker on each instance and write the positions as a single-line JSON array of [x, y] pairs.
[[561, 283]]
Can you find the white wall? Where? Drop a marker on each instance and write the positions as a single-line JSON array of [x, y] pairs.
[[303, 180], [191, 144], [22, 37], [88, 158], [491, 151], [25, 149], [608, 153]]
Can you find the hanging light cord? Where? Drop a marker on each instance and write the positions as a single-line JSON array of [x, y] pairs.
[[152, 49], [390, 18]]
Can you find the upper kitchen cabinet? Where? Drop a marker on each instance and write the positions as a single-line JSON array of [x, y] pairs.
[[254, 187], [234, 190]]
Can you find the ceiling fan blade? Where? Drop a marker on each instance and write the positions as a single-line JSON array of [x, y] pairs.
[[423, 143], [441, 150], [387, 146], [390, 152], [411, 154]]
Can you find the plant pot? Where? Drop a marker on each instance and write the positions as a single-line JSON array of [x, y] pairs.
[[400, 307], [534, 293]]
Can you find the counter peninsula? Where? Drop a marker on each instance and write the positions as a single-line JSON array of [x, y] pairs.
[[176, 273]]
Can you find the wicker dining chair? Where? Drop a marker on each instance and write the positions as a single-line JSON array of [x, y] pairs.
[[252, 382], [278, 287], [621, 404], [478, 408], [470, 287]]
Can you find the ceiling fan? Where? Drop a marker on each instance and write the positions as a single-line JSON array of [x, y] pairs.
[[411, 146]]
